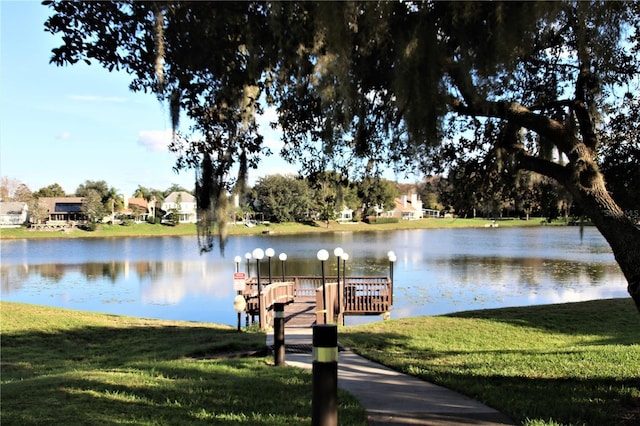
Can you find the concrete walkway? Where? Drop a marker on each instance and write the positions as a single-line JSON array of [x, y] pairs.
[[391, 398]]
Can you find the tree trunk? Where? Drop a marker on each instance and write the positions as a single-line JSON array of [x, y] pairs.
[[587, 186], [581, 177]]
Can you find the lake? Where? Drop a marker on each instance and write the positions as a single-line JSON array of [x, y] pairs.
[[437, 270]]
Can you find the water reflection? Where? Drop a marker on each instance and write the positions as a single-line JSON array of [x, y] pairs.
[[437, 271]]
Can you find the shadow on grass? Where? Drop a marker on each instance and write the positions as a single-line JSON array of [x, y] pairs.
[[568, 399], [148, 375], [616, 320], [595, 381]]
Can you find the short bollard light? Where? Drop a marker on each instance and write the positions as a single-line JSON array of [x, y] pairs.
[[278, 334], [239, 305], [324, 403]]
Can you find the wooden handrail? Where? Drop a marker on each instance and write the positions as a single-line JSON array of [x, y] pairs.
[[358, 296]]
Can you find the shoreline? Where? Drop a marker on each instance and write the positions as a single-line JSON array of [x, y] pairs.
[[143, 230]]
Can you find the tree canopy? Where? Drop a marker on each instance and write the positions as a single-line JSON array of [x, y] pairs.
[[549, 87]]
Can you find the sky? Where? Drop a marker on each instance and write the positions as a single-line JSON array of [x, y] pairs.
[[71, 124]]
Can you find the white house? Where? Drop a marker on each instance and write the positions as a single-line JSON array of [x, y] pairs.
[[408, 208], [184, 204], [345, 215], [13, 214]]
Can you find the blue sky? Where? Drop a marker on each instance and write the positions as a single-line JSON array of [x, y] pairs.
[[75, 123]]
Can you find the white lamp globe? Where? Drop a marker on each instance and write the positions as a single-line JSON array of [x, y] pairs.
[[237, 259], [323, 255], [247, 255], [258, 254], [345, 256], [338, 251], [270, 252], [283, 256]]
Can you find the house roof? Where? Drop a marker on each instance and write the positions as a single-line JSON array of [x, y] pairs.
[[12, 207], [185, 197], [400, 205], [61, 204], [140, 202]]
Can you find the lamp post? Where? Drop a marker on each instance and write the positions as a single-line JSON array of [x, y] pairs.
[[392, 258], [258, 254], [338, 253], [270, 253], [345, 257], [237, 303], [247, 256], [282, 257], [323, 255]]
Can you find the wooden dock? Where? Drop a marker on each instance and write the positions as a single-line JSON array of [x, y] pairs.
[[301, 313], [304, 299]]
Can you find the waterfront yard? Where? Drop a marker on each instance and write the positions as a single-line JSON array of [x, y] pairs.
[[568, 364]]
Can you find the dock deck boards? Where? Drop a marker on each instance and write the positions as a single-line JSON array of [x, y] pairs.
[[301, 313]]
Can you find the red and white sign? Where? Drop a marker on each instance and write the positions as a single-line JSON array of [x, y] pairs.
[[239, 281]]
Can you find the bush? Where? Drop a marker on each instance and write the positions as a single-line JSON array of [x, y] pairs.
[[381, 220], [89, 226]]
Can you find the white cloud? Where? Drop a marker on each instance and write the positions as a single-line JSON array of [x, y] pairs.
[[155, 140], [64, 135]]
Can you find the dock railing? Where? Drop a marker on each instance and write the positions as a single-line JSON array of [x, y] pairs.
[[355, 296], [277, 292]]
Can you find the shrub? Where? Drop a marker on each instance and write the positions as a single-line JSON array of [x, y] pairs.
[[381, 220], [89, 226]]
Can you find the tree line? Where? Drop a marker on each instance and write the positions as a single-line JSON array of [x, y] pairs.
[[294, 198]]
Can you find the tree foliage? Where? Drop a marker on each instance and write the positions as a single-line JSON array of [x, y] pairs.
[[53, 190], [92, 206], [14, 190], [503, 86], [283, 198]]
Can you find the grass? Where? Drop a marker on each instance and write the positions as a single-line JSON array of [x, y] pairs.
[[569, 364], [148, 230], [75, 368]]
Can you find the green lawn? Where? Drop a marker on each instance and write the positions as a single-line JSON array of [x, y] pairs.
[[73, 368], [569, 364], [148, 230]]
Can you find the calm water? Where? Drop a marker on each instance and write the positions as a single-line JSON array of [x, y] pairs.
[[438, 271]]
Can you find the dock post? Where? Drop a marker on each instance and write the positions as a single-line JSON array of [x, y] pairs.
[[278, 334], [324, 403]]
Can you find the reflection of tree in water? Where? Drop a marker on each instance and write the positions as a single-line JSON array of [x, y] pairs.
[[529, 272], [52, 271], [96, 270], [13, 277]]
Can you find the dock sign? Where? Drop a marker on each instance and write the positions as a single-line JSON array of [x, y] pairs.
[[239, 281]]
